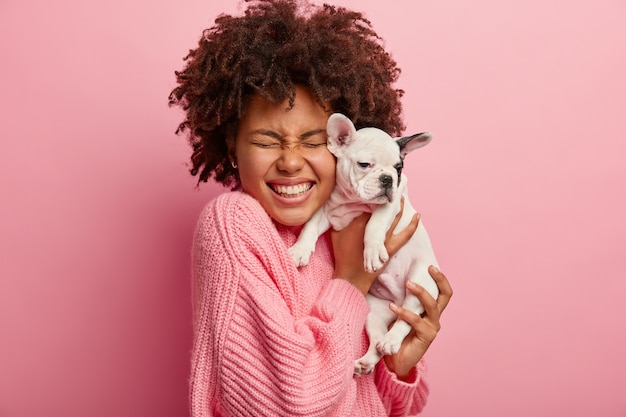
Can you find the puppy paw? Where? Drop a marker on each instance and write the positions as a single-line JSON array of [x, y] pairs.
[[363, 367], [366, 363], [375, 257], [389, 345], [300, 255]]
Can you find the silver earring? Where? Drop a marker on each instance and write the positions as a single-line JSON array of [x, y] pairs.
[[234, 164]]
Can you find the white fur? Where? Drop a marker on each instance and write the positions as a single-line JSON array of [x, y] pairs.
[[367, 159]]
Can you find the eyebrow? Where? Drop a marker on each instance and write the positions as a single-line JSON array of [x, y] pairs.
[[278, 136]]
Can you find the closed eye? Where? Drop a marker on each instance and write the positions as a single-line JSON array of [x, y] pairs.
[[364, 164], [265, 144], [314, 144]]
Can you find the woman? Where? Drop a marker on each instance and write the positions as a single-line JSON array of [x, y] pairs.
[[271, 339]]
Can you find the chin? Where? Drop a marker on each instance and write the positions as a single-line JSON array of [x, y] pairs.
[[292, 221], [295, 218]]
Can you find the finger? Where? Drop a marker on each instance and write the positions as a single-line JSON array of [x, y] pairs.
[[395, 242], [445, 289], [413, 224], [423, 330], [432, 313], [406, 233]]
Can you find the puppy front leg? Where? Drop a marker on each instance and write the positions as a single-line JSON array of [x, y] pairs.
[[375, 254], [304, 247]]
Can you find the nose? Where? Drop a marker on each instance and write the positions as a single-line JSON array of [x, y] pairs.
[[290, 159], [386, 181]]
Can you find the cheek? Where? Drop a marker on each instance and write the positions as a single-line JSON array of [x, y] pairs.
[[325, 165], [253, 164], [325, 168]]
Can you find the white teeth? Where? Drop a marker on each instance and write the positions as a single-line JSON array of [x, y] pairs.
[[291, 190]]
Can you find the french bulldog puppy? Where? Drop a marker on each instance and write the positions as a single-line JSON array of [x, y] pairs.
[[369, 179]]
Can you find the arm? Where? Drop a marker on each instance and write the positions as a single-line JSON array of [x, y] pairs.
[[402, 397], [400, 377], [375, 253], [424, 330], [257, 350], [349, 248]]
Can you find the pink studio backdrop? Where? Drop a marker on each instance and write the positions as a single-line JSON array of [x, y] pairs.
[[522, 189]]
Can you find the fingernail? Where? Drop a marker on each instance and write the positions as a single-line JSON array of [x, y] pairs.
[[411, 284], [435, 268], [393, 306]]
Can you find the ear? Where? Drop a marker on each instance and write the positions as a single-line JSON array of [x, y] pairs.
[[410, 143], [341, 132]]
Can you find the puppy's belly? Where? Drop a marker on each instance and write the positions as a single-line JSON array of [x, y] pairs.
[[390, 284], [384, 291]]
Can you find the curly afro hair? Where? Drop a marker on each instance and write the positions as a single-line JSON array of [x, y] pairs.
[[275, 45]]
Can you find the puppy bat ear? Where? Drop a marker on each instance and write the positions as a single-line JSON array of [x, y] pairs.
[[341, 132], [410, 143]]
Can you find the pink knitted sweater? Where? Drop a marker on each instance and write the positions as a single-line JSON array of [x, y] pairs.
[[274, 340]]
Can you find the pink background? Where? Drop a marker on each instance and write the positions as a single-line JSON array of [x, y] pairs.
[[522, 189]]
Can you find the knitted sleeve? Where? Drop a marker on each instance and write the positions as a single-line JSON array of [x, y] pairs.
[[402, 398], [254, 353]]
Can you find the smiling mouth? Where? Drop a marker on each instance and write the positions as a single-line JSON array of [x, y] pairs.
[[289, 191]]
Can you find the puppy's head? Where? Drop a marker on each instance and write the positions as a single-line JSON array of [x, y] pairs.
[[369, 161]]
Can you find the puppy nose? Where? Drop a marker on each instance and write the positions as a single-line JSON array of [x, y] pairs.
[[386, 181]]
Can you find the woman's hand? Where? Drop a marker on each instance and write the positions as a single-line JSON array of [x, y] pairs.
[[425, 327], [348, 248]]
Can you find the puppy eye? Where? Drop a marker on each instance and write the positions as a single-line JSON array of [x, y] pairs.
[[364, 164]]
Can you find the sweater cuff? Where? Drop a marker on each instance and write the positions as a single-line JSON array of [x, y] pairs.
[[414, 389]]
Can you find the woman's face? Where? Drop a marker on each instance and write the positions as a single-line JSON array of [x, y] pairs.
[[282, 157]]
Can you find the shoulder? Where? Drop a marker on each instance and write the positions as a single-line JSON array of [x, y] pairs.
[[233, 220], [227, 205], [233, 209]]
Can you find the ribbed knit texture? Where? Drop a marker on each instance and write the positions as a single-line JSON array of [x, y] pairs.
[[274, 340]]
